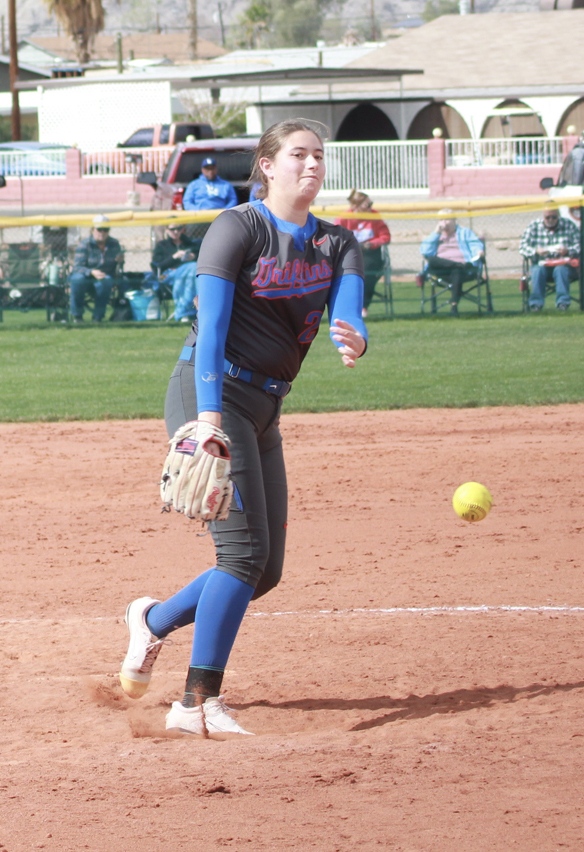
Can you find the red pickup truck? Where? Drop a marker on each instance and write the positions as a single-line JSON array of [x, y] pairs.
[[234, 160]]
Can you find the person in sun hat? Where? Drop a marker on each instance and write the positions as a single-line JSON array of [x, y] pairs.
[[95, 265], [208, 191]]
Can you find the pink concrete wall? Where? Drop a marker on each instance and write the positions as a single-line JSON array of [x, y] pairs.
[[73, 189], [469, 182], [55, 192]]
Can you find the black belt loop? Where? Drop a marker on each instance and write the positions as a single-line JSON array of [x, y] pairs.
[[276, 387]]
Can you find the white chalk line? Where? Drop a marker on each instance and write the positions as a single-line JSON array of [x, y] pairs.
[[425, 610], [553, 609]]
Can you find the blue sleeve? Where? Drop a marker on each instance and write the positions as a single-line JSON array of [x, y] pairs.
[[214, 313], [474, 246], [346, 302], [429, 245], [189, 202], [81, 259]]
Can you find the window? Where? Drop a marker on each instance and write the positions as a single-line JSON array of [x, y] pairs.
[[234, 166], [142, 138]]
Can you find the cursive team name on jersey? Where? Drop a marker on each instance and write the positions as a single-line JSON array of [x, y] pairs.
[[295, 278]]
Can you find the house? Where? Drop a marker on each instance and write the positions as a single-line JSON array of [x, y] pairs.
[[149, 94], [482, 77], [165, 47], [28, 101], [493, 75]]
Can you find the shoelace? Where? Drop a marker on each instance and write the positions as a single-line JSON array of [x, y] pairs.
[[152, 651], [224, 707]]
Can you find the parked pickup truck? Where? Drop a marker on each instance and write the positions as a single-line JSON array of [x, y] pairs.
[[234, 160], [163, 135]]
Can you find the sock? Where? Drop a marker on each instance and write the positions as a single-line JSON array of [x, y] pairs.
[[177, 611], [200, 685], [220, 611]]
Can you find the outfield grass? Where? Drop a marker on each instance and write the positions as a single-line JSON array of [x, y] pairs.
[[57, 372]]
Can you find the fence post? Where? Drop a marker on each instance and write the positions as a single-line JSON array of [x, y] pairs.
[[436, 166], [73, 163], [581, 265]]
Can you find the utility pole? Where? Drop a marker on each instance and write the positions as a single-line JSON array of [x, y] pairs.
[[374, 32], [221, 24], [193, 29], [13, 69]]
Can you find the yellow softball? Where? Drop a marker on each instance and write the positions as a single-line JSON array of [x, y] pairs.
[[472, 501]]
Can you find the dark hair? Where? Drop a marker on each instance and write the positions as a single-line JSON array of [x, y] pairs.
[[272, 140]]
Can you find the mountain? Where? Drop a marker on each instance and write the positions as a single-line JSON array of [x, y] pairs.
[[146, 15], [218, 18]]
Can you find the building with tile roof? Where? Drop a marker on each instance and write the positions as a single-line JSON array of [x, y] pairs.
[[169, 47], [511, 73]]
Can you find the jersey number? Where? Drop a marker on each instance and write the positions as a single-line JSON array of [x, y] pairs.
[[312, 322]]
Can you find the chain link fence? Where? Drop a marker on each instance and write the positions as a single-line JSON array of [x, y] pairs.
[[500, 227]]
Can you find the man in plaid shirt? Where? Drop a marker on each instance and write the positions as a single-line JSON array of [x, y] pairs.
[[552, 243]]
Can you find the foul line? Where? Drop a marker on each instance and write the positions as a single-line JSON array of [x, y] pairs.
[[425, 610], [557, 609]]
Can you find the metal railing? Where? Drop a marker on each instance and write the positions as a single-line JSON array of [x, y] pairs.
[[39, 163], [119, 161], [370, 166], [519, 151], [376, 165]]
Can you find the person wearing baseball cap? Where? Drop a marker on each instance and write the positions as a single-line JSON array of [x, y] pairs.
[[208, 191], [95, 267]]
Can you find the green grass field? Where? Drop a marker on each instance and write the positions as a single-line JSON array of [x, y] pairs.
[[58, 372]]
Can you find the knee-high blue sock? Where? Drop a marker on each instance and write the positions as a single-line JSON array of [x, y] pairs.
[[179, 610], [221, 608]]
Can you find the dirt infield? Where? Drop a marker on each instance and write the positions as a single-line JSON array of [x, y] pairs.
[[415, 683]]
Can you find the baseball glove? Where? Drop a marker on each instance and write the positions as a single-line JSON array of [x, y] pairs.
[[194, 481]]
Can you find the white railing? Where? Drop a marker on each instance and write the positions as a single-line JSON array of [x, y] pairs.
[[520, 151], [376, 165], [119, 162], [368, 166], [45, 162]]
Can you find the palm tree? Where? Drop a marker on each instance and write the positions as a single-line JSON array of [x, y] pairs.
[[82, 20]]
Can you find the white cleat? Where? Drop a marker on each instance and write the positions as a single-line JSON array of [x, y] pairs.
[[212, 720], [143, 649]]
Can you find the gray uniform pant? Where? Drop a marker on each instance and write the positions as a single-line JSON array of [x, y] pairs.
[[250, 544]]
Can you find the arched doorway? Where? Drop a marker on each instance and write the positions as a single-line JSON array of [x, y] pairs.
[[450, 122], [574, 116], [512, 118], [364, 123]]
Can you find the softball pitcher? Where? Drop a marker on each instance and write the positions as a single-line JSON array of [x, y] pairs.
[[267, 270]]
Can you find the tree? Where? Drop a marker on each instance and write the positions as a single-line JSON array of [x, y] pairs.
[[254, 24], [227, 118], [82, 20], [436, 8], [298, 23], [283, 23]]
